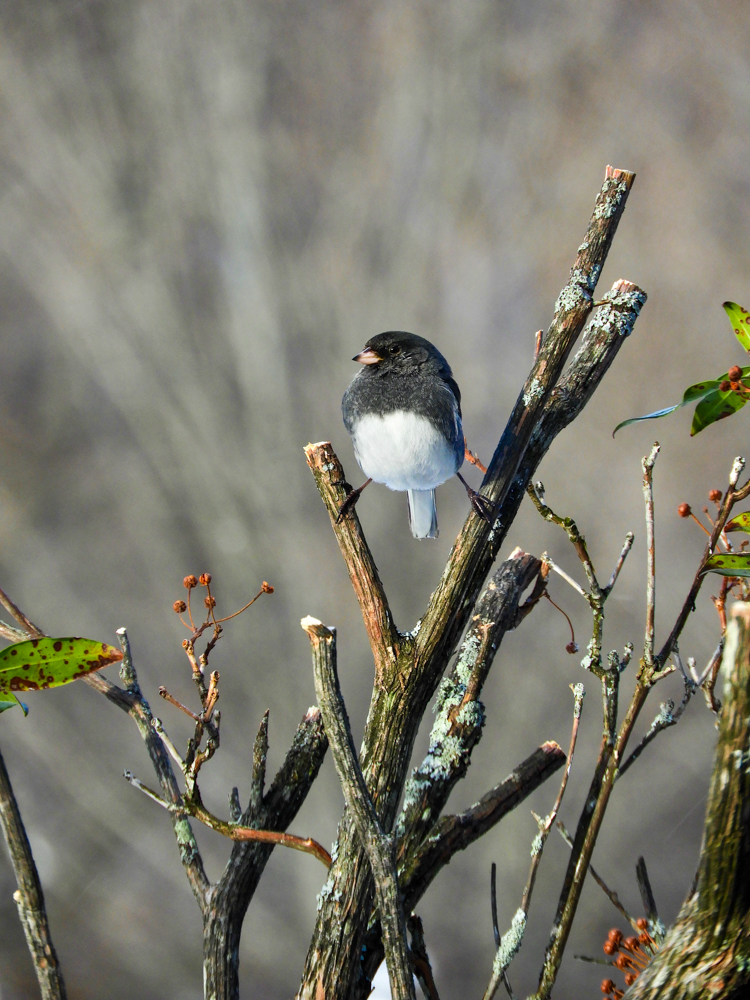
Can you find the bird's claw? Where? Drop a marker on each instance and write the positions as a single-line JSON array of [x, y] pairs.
[[351, 498], [482, 506]]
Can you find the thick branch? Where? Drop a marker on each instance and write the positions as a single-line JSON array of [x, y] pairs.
[[459, 714], [376, 842], [29, 897], [363, 573], [707, 951]]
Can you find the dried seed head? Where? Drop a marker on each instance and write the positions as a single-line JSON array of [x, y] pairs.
[[189, 582], [714, 496], [622, 961], [684, 510], [630, 978], [204, 579], [210, 602], [607, 985], [610, 948], [734, 373], [179, 607], [630, 943], [641, 923], [266, 588], [615, 937], [725, 386], [572, 647]]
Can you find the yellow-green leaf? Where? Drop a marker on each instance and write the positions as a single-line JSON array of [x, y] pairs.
[[45, 663], [716, 406], [728, 564], [740, 320], [739, 523]]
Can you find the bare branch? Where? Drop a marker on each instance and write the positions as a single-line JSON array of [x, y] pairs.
[[378, 845], [31, 631], [623, 556], [363, 573], [648, 493], [29, 897]]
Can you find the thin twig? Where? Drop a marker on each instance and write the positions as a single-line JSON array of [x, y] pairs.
[[511, 941], [307, 845], [609, 893], [32, 631], [623, 556], [561, 572], [648, 493]]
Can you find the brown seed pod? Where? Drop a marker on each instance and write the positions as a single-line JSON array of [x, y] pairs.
[[630, 978], [204, 579], [725, 386], [189, 582], [266, 588], [735, 373], [210, 602], [684, 510], [179, 607], [714, 496], [572, 647], [607, 985]]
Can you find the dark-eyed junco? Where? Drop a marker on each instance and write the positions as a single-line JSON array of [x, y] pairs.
[[403, 411]]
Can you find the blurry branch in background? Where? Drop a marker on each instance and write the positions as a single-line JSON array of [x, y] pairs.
[[408, 666]]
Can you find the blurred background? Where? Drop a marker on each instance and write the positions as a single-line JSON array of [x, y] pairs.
[[205, 211]]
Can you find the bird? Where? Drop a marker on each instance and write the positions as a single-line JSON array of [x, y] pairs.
[[403, 412]]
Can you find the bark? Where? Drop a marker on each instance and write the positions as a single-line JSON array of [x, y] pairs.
[[707, 951]]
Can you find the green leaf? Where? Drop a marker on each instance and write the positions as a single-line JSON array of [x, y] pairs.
[[739, 523], [5, 705], [740, 320], [728, 564], [716, 406], [691, 394], [46, 663]]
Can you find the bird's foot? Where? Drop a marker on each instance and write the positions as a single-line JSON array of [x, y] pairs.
[[479, 504], [352, 496], [482, 506]]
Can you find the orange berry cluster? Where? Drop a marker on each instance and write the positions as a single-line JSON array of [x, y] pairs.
[[633, 955]]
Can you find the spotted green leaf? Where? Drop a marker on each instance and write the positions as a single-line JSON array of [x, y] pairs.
[[728, 564], [715, 406], [739, 523], [740, 320], [45, 663], [691, 394]]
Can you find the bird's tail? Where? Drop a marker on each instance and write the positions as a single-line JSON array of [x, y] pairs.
[[423, 513]]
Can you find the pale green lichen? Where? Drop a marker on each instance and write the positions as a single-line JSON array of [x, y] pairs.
[[510, 944], [536, 845], [612, 193]]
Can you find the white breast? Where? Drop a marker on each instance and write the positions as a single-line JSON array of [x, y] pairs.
[[404, 451]]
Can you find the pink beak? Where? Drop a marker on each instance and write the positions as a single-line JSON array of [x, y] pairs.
[[367, 357]]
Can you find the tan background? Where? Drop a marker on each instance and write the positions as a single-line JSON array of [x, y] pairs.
[[205, 210]]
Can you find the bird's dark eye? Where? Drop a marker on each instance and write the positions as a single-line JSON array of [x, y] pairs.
[[394, 349]]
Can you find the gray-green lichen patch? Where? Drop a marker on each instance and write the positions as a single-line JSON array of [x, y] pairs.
[[536, 845], [611, 198], [510, 943], [535, 390]]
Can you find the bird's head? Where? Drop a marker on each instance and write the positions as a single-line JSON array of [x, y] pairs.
[[399, 351]]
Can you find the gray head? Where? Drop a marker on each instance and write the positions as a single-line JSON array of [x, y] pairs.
[[398, 352]]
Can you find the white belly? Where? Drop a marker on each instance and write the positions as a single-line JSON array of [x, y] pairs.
[[404, 451]]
